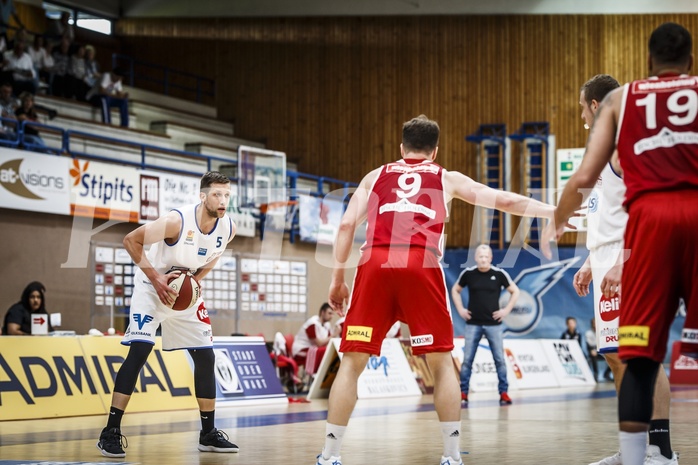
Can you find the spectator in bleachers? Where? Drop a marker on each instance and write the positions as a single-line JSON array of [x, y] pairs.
[[77, 72], [21, 35], [20, 64], [27, 112], [108, 93], [7, 111], [92, 73], [61, 63], [61, 28], [7, 10], [41, 58]]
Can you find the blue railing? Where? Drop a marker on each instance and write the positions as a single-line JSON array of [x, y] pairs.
[[18, 138], [164, 77]]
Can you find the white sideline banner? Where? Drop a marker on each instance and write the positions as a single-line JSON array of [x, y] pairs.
[[568, 361], [484, 373], [528, 366], [386, 375], [34, 182]]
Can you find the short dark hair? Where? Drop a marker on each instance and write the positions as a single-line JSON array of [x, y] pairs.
[[324, 307], [570, 318], [213, 177], [670, 44], [597, 87], [420, 134]]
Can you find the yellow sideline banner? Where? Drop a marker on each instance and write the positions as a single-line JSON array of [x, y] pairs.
[[44, 376]]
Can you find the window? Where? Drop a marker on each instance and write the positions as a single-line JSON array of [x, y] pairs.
[[84, 20], [94, 23]]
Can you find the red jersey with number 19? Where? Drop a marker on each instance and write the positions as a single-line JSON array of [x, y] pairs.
[[657, 135], [407, 207]]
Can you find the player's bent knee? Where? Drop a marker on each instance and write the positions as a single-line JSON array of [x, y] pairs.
[[204, 374], [637, 391], [128, 373]]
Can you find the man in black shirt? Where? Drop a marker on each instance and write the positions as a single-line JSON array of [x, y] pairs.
[[484, 316]]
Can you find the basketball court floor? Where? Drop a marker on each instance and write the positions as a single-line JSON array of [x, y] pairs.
[[542, 427]]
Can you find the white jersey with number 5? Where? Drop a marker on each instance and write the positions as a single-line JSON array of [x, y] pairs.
[[193, 249]]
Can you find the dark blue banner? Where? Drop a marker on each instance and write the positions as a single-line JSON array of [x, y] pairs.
[[244, 370], [547, 297]]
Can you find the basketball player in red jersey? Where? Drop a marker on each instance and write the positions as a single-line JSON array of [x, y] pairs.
[[654, 126], [400, 276]]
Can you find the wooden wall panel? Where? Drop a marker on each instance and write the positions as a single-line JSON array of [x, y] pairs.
[[333, 92]]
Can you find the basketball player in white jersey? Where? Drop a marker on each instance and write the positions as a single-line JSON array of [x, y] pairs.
[[606, 225], [187, 239]]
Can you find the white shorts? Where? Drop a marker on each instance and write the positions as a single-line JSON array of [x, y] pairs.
[[185, 329], [606, 311]]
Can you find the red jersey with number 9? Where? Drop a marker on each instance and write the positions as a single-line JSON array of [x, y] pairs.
[[657, 136], [407, 207]]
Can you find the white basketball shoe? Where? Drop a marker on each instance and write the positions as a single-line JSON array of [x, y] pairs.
[[654, 457], [612, 460]]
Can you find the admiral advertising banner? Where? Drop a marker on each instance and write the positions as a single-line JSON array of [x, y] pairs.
[[245, 373], [34, 182], [44, 376]]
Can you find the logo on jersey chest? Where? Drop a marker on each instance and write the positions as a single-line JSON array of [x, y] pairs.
[[593, 202], [190, 238], [202, 251]]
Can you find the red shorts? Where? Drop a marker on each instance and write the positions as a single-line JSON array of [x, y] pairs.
[[662, 237], [398, 284]]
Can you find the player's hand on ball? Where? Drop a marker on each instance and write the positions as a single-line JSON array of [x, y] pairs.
[[166, 294]]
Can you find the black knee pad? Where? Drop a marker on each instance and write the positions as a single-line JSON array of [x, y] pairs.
[[204, 375], [637, 390], [126, 379]]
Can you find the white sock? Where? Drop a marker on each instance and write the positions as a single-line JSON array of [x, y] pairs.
[[450, 431], [333, 440], [633, 447]]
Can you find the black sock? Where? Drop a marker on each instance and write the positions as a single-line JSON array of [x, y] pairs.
[[660, 437], [207, 421], [114, 420]]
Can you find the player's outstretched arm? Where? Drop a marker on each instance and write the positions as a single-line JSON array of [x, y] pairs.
[[464, 188]]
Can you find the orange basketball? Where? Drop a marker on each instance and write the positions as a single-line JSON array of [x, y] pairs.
[[188, 289]]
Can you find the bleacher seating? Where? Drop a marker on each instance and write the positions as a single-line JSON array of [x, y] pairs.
[[80, 123], [183, 134]]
